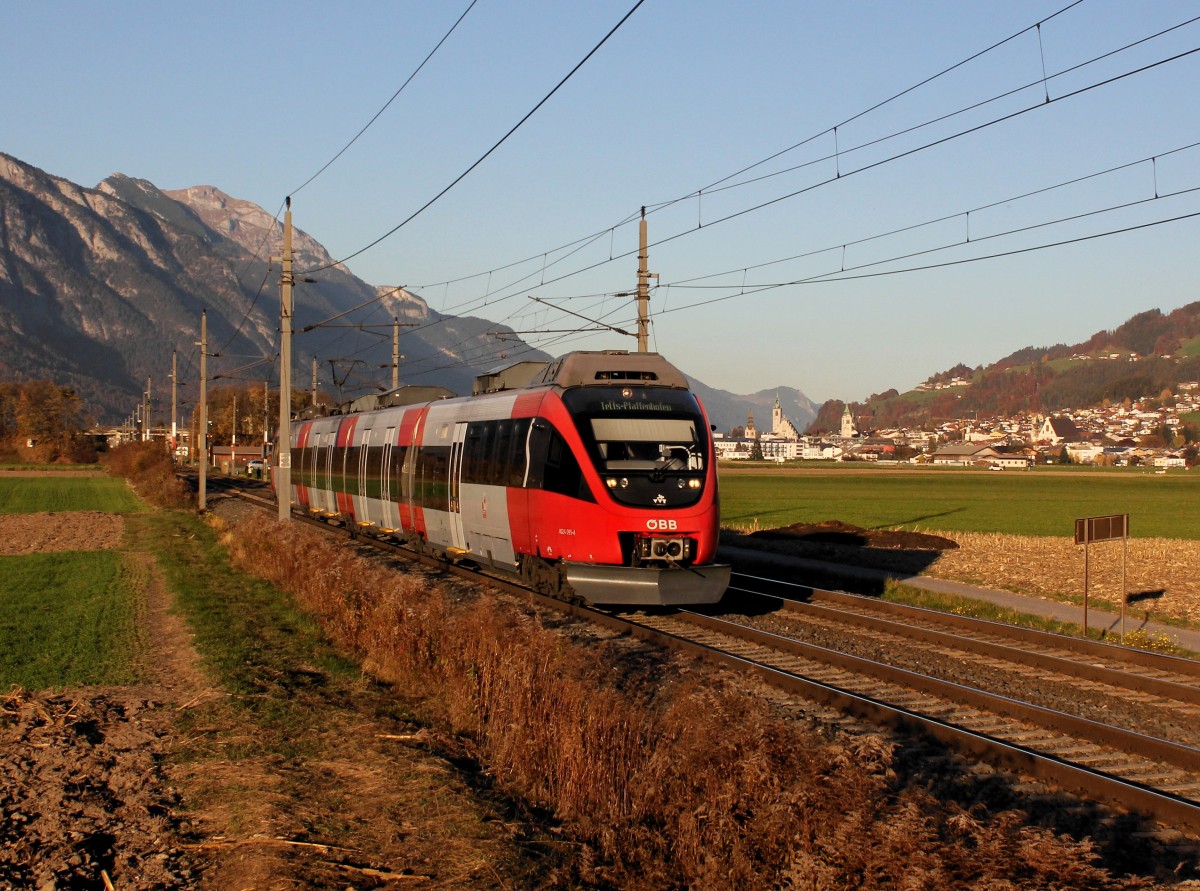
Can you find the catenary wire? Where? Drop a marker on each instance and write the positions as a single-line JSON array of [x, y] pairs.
[[407, 81], [1040, 104], [488, 153]]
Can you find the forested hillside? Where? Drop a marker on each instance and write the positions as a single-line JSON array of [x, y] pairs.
[[1150, 353]]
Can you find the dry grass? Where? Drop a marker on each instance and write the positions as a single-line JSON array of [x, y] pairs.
[[1054, 567], [669, 783]]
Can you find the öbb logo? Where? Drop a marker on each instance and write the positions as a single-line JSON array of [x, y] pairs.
[[662, 525]]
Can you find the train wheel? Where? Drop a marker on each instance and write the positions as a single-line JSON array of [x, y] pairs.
[[540, 575]]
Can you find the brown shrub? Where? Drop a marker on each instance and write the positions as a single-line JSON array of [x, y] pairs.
[[673, 783], [150, 470]]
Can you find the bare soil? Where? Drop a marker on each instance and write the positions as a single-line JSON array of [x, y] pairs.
[[835, 532], [86, 530]]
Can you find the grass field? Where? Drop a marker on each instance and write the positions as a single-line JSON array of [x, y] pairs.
[[69, 618], [1011, 502], [25, 494]]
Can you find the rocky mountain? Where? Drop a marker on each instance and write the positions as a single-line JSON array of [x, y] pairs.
[[1150, 353], [99, 286]]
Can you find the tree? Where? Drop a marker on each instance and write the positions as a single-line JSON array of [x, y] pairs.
[[46, 419]]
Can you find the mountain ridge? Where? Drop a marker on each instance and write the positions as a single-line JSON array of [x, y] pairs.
[[97, 285]]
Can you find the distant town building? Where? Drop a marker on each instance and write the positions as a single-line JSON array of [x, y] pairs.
[[848, 431], [781, 426], [1057, 430], [964, 453]]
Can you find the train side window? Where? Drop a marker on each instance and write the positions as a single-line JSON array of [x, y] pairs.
[[501, 453], [515, 462], [559, 470], [324, 456], [432, 477], [346, 458], [396, 472], [473, 454]]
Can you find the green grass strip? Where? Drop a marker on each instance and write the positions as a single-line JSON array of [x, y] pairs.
[[25, 495], [70, 618], [259, 644]]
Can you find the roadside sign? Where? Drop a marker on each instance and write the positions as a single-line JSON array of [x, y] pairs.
[[1114, 527], [1092, 529]]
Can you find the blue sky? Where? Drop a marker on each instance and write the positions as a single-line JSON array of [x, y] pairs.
[[255, 97]]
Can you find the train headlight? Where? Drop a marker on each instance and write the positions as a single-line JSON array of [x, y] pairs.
[[611, 482], [693, 483], [624, 483]]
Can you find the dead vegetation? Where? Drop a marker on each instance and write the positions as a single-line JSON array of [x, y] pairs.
[[1161, 574], [150, 470], [665, 781]]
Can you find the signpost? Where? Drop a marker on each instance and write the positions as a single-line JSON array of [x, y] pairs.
[[1113, 527]]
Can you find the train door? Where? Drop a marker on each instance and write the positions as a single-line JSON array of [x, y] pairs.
[[330, 439], [362, 507], [391, 518], [457, 538], [385, 486]]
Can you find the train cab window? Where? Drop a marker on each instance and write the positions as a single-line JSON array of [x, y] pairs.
[[654, 444]]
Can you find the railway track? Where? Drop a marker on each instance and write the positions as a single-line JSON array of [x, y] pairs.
[[1147, 762]]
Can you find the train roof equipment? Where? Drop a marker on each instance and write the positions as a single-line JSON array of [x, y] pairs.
[[607, 368], [515, 376]]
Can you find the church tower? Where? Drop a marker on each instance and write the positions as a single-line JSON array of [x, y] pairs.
[[848, 430], [751, 431], [777, 417]]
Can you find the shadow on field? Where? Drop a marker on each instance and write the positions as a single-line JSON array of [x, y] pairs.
[[836, 555]]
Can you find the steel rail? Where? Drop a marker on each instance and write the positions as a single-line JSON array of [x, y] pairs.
[[1050, 719], [1115, 677], [1098, 649]]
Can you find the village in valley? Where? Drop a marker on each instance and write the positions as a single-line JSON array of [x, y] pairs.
[[1143, 433]]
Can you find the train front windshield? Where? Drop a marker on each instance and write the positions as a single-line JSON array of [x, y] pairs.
[[650, 446], [654, 444]]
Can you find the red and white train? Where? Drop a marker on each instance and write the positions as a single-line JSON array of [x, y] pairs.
[[592, 476]]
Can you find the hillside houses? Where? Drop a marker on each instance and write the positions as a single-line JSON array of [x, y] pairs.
[[1139, 433]]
